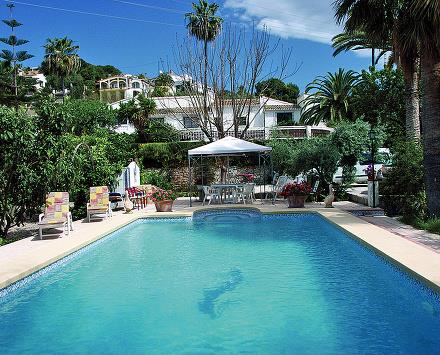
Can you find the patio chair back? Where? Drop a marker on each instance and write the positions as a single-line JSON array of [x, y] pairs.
[[99, 196], [132, 191], [57, 205], [248, 189], [282, 180], [208, 190]]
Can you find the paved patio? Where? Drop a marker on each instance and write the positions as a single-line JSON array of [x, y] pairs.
[[428, 240]]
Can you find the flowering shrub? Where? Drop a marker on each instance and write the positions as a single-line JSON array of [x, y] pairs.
[[296, 188], [161, 195], [369, 170]]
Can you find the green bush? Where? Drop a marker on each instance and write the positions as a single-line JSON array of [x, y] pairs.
[[317, 155], [430, 225], [403, 188], [351, 139], [22, 162], [65, 147], [157, 178], [165, 155], [161, 132], [281, 154]]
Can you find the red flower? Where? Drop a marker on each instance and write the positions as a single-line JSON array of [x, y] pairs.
[[296, 188]]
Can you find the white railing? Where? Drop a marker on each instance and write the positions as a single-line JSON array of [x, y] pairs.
[[296, 132]]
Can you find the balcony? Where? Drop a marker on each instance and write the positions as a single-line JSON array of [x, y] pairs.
[[296, 132]]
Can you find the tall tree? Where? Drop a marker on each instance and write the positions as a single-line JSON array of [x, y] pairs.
[[331, 98], [426, 30], [13, 57], [61, 58], [275, 88], [383, 22], [204, 25], [138, 111]]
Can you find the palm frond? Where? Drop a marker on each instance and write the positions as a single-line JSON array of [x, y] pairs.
[[330, 97], [203, 22]]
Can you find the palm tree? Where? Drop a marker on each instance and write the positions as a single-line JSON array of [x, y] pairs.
[[140, 119], [330, 101], [388, 23], [426, 30], [61, 58], [357, 40], [415, 30], [204, 25]]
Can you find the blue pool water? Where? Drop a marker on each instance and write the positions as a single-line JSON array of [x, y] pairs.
[[223, 284]]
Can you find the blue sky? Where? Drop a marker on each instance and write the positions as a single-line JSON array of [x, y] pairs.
[[137, 39]]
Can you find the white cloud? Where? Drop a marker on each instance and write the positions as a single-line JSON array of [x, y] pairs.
[[312, 19]]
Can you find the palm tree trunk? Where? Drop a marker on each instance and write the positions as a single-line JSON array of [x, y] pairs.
[[412, 101], [431, 130], [411, 68], [205, 83]]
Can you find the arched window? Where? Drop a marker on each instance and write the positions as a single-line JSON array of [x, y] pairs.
[[122, 84], [136, 85], [114, 84], [104, 85]]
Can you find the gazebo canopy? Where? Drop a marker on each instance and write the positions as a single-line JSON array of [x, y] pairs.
[[228, 146]]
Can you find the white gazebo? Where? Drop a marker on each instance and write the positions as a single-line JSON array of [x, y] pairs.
[[227, 147]]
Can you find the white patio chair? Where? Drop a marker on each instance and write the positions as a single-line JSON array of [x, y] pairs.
[[282, 180], [213, 194], [246, 193]]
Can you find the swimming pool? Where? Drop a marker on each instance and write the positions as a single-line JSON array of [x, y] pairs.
[[228, 283]]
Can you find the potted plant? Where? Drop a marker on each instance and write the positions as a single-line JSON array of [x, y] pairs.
[[296, 193], [163, 199], [370, 172]]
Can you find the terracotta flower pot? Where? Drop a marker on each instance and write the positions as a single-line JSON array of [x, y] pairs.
[[164, 206], [296, 201]]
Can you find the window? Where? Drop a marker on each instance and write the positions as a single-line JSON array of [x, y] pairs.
[[114, 84], [136, 85], [284, 119], [242, 121], [189, 122]]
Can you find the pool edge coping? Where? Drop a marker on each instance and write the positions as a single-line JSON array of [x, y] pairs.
[[330, 215]]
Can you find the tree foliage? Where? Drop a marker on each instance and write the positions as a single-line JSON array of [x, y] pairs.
[[277, 89], [63, 147], [22, 163], [203, 22], [330, 100], [404, 187], [61, 59], [379, 99]]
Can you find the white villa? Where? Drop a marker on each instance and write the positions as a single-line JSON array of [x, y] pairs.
[[35, 74], [267, 116], [120, 87]]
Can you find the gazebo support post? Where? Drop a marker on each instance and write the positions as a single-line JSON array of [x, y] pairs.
[[271, 176], [189, 181], [261, 176]]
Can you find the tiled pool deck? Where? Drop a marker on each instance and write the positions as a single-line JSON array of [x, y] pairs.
[[22, 258]]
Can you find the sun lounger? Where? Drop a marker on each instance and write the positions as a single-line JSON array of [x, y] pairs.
[[56, 215], [99, 204]]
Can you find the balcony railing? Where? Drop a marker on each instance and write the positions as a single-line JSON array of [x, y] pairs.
[[296, 132]]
